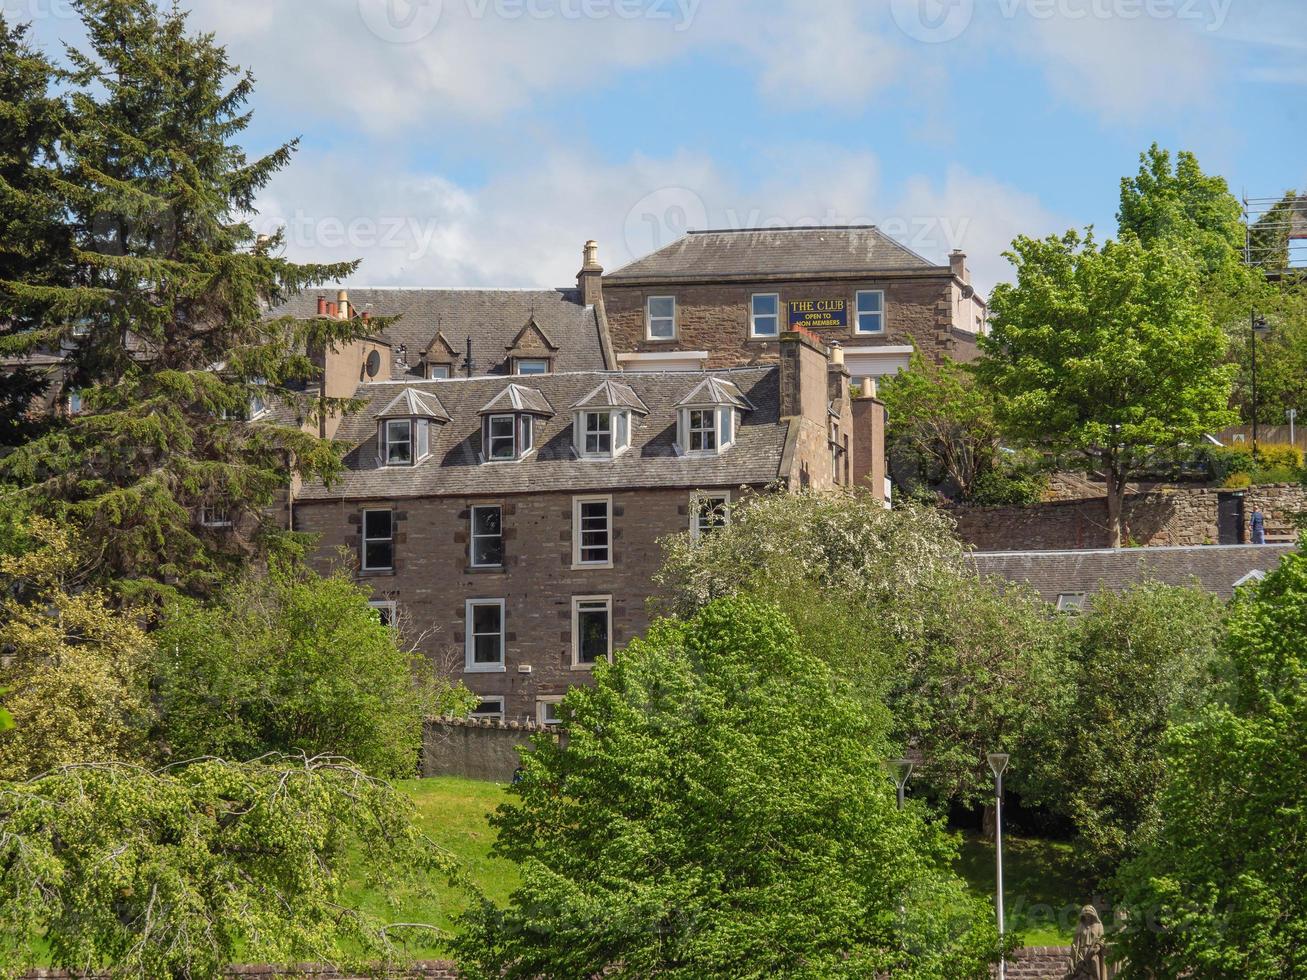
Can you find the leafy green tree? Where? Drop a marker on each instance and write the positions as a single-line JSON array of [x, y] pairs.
[[890, 602], [1106, 353], [294, 662], [1175, 204], [165, 312], [1219, 891], [75, 672], [938, 414], [720, 808], [1142, 660], [181, 872], [34, 244]]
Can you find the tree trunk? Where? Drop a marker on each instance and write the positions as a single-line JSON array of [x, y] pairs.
[[988, 822], [1115, 505]]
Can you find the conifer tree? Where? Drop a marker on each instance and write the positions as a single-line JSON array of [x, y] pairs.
[[167, 313], [33, 242]]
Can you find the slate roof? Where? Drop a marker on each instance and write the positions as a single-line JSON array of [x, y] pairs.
[[411, 403], [493, 318], [454, 467], [1217, 568], [519, 398], [776, 251], [715, 391], [613, 394]]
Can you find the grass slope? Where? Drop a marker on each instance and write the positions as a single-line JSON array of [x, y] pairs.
[[1042, 894]]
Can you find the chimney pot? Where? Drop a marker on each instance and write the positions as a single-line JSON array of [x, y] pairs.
[[342, 299], [331, 310], [589, 281], [322, 306], [957, 262], [837, 355]]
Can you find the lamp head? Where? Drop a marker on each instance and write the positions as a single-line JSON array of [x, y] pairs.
[[901, 770], [998, 762]]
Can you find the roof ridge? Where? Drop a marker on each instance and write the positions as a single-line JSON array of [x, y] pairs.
[[734, 231]]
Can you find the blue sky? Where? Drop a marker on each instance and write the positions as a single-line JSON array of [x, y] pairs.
[[480, 142]]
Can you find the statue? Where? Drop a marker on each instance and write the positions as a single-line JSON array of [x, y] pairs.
[[1089, 950]]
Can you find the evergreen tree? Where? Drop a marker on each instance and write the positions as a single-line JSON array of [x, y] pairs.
[[33, 242], [167, 312]]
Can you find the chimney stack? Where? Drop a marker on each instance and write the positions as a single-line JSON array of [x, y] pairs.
[[342, 300], [957, 262], [589, 281]]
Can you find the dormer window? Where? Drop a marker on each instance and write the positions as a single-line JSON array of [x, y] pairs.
[[603, 420], [398, 442], [404, 428], [706, 418], [508, 423], [438, 372]]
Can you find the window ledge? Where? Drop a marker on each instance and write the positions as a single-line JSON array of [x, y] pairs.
[[591, 566], [492, 669], [485, 569], [375, 572]]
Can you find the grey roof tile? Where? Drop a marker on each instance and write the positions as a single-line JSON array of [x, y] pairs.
[[613, 394], [1217, 568], [775, 251], [519, 398], [455, 468], [411, 403], [493, 318]]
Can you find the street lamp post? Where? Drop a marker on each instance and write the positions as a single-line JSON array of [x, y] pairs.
[[901, 770], [1258, 326], [998, 764]]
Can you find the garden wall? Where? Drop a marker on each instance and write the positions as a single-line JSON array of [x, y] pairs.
[[482, 749], [1173, 516]]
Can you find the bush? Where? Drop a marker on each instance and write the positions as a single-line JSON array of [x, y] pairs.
[[293, 662], [1007, 487]]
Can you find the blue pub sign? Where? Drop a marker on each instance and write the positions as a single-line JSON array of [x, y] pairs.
[[819, 314]]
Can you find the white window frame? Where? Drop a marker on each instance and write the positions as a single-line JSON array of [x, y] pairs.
[[440, 372], [215, 516], [545, 702], [491, 439], [258, 406], [649, 318], [469, 643], [472, 536], [520, 362], [589, 600], [495, 715], [386, 606], [691, 429], [363, 533], [698, 510], [75, 401], [387, 442], [754, 332], [598, 433], [577, 552], [1072, 603], [858, 314]]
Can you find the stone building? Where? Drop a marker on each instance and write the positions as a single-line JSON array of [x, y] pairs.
[[511, 522], [722, 298]]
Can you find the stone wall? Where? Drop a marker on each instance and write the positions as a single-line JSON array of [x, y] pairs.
[[1038, 963], [474, 749], [1155, 518]]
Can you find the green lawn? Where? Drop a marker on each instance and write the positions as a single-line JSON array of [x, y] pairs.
[[1042, 896], [453, 813]]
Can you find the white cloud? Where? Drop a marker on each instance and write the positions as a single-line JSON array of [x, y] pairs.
[[525, 226]]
